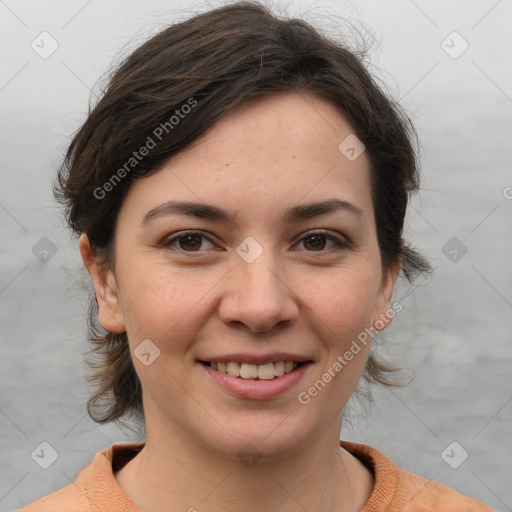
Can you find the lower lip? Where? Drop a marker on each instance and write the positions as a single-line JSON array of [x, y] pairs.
[[257, 389]]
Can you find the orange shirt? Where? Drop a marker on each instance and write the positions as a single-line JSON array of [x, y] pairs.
[[395, 490]]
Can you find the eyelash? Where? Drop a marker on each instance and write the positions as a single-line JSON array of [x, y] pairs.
[[342, 245]]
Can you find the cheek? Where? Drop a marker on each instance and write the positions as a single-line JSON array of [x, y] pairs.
[[343, 303], [343, 318], [145, 298], [165, 306]]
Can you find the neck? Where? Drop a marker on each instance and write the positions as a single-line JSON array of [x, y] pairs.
[[175, 472]]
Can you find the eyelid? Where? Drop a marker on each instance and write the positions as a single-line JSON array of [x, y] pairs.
[[168, 240], [341, 241]]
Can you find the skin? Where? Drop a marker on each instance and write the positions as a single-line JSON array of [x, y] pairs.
[[199, 298]]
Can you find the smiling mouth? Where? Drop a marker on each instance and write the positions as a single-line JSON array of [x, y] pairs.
[[267, 371]]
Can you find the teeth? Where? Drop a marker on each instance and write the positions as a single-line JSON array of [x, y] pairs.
[[233, 369], [267, 371], [248, 371], [279, 368]]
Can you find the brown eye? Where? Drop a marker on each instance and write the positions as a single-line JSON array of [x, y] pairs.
[[316, 242], [190, 242], [187, 241]]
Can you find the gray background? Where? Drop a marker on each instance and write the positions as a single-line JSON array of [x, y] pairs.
[[454, 330]]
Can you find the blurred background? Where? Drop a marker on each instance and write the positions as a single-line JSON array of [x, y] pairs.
[[448, 63]]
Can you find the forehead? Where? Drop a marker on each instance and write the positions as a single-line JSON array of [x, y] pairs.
[[272, 151], [299, 119]]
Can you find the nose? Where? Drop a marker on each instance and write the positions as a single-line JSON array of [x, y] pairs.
[[257, 297]]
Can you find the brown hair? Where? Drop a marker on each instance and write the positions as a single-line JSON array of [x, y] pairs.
[[212, 63]]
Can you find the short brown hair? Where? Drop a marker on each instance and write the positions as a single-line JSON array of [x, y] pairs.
[[221, 59]]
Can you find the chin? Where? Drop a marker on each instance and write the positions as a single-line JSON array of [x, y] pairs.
[[268, 436]]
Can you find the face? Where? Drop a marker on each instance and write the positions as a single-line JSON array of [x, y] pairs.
[[258, 276]]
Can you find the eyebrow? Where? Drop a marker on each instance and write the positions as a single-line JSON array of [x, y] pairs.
[[214, 213]]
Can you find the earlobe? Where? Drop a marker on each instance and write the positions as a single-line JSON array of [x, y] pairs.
[[384, 313], [110, 314]]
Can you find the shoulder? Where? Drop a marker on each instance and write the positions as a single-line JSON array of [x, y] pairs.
[[69, 497], [398, 490], [415, 493], [95, 487]]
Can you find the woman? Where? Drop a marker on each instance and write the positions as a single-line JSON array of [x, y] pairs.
[[240, 192]]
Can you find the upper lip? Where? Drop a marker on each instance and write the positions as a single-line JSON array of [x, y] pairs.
[[256, 358]]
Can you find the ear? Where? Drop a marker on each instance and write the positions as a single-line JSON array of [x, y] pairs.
[[110, 313], [383, 312]]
